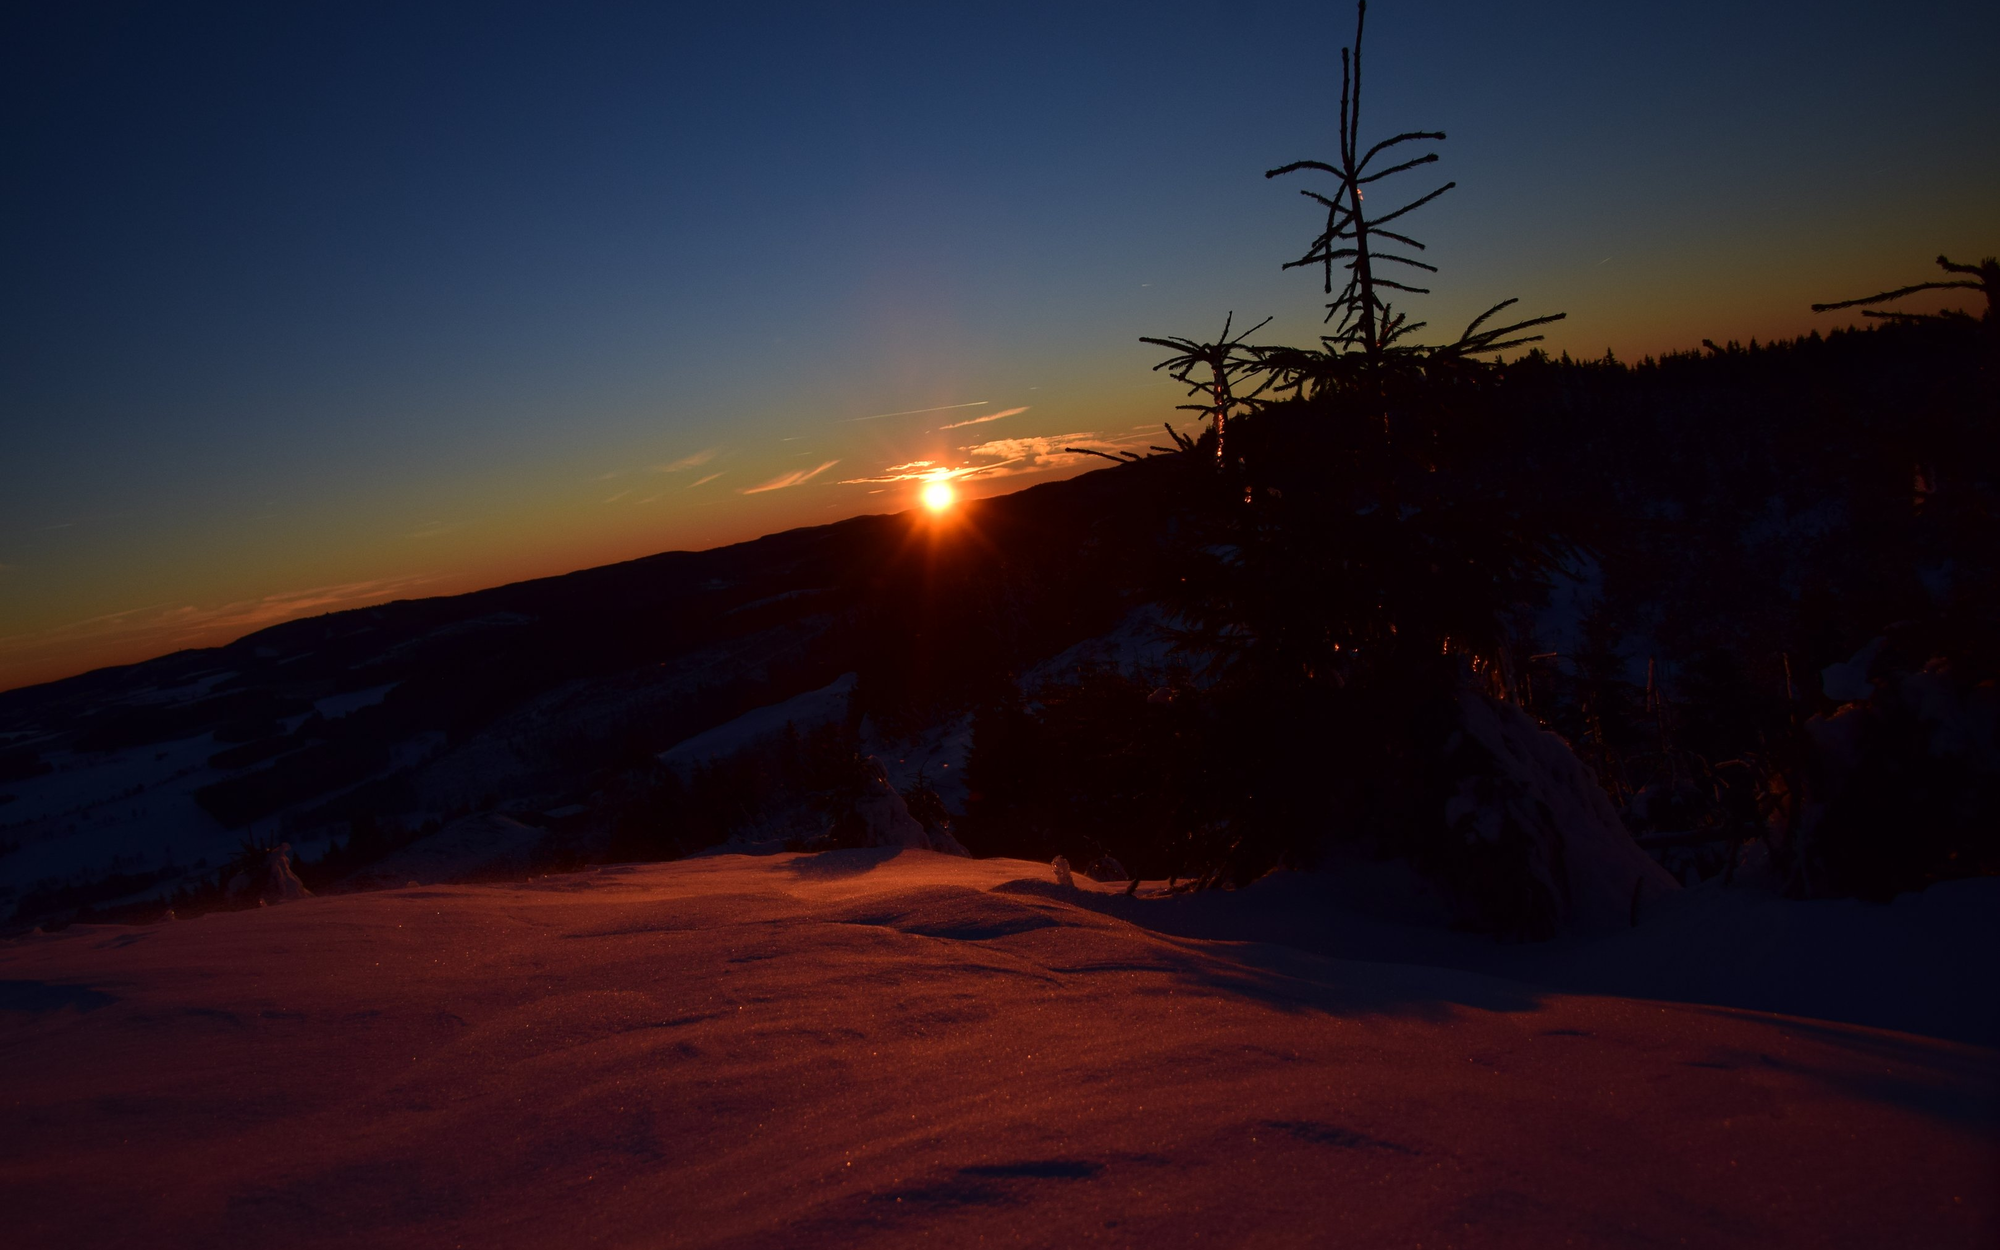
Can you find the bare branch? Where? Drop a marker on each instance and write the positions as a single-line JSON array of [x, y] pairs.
[[1406, 137], [1396, 169], [1898, 293], [1322, 166], [1415, 204]]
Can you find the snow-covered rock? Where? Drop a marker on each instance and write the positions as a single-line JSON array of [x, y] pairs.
[[273, 881], [887, 820], [1848, 683], [1540, 831]]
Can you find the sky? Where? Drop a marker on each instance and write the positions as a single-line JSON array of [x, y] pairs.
[[305, 307]]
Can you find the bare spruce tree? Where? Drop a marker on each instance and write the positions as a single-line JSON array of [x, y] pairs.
[[1231, 363], [1368, 331]]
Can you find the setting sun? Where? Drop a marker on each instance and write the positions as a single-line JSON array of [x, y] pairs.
[[939, 495]]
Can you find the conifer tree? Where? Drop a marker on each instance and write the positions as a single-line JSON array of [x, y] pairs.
[[1369, 334], [1231, 362]]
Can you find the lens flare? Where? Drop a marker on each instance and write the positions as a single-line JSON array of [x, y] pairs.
[[939, 495]]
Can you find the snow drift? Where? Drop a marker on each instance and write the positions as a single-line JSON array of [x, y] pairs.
[[876, 1047]]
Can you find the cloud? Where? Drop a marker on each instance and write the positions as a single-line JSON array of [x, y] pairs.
[[796, 478], [1011, 412], [1036, 455], [1006, 457], [431, 529], [911, 412], [620, 495], [694, 461], [913, 471], [703, 481]]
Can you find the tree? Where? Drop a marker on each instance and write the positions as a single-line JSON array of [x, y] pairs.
[[1370, 334], [1985, 278], [1231, 362]]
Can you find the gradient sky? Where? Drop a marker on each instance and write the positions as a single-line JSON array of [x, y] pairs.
[[305, 307]]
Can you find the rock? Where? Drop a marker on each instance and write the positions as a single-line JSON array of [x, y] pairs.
[[1061, 865]]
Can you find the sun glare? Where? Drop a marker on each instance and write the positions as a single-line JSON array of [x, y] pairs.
[[939, 495]]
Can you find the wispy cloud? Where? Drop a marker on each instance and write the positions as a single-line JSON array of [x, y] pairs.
[[1040, 455], [911, 412], [796, 478], [703, 481], [914, 471], [1011, 412], [431, 529], [694, 461], [1005, 457], [620, 495]]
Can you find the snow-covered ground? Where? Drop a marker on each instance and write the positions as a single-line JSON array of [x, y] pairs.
[[103, 812], [803, 713], [873, 1048]]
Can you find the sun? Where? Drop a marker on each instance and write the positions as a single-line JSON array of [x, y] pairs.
[[939, 495]]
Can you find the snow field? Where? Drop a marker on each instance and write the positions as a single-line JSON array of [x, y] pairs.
[[877, 1048]]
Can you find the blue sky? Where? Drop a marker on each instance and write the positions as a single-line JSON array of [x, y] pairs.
[[308, 306]]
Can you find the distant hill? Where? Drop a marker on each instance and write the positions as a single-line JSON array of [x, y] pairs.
[[519, 696]]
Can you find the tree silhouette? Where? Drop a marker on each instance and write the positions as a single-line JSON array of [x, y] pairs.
[[1986, 278], [1369, 331], [1230, 361]]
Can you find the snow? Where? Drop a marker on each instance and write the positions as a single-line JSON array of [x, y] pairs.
[[934, 756], [99, 813], [481, 847], [807, 711], [1140, 645], [881, 1048], [333, 707], [1578, 850], [1848, 683], [888, 822]]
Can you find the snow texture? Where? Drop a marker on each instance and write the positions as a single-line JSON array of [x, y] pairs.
[[886, 1048]]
